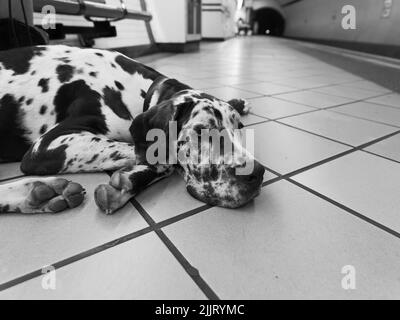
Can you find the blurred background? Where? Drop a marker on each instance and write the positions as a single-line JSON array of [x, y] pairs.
[[147, 26]]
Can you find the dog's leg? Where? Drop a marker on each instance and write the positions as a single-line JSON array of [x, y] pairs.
[[126, 183], [40, 195], [63, 151]]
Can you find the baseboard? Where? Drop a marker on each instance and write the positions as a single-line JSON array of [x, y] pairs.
[[392, 51], [192, 46]]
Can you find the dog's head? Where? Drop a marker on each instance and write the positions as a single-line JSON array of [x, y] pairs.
[[209, 150]]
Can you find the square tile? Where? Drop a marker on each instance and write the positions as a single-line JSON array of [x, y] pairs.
[[389, 148], [314, 99], [229, 93], [368, 85], [392, 100], [340, 127], [288, 244], [266, 88], [251, 119], [347, 92], [30, 242], [374, 112], [272, 108], [363, 182], [285, 149], [128, 271]]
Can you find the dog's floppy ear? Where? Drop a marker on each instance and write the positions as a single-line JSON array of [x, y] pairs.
[[240, 105], [158, 117]]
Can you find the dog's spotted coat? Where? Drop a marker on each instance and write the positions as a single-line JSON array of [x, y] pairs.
[[70, 110]]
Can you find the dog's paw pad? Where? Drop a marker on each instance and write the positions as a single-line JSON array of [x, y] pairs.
[[54, 196]]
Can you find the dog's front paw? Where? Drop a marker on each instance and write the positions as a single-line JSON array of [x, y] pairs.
[[110, 199]]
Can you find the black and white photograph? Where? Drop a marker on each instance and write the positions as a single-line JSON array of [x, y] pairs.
[[199, 154]]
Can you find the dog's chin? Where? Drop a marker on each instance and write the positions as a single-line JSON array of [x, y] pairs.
[[228, 203]]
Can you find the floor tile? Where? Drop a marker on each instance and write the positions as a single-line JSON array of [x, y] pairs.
[[276, 108], [368, 85], [374, 112], [347, 92], [285, 149], [392, 100], [389, 148], [288, 245], [314, 99], [250, 119], [266, 88], [30, 242], [363, 182], [128, 271], [229, 93], [10, 170], [340, 127]]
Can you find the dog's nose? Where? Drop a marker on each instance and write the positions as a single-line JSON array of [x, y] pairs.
[[256, 177]]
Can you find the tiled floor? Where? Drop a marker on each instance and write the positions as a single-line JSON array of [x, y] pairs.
[[331, 198]]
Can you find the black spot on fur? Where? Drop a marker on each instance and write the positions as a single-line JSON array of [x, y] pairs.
[[95, 139], [119, 85], [113, 65], [33, 72], [19, 60], [13, 145], [63, 59], [143, 94], [44, 83], [99, 54], [21, 100], [43, 129], [93, 74], [43, 109], [113, 99], [76, 100], [130, 66], [89, 64], [65, 72], [29, 102], [94, 158]]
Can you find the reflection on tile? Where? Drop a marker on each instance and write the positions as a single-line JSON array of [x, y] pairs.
[[30, 242], [340, 127], [347, 92], [229, 93], [288, 245], [285, 149], [276, 108], [139, 269], [314, 99], [267, 88], [371, 111], [389, 148], [390, 100], [363, 182]]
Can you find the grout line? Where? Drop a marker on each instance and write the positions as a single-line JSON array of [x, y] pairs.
[[380, 156], [75, 258], [190, 270], [345, 208], [362, 118]]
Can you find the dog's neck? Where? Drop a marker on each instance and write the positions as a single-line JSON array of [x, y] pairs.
[[162, 89]]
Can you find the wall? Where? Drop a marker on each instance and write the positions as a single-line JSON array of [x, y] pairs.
[[219, 19], [321, 19]]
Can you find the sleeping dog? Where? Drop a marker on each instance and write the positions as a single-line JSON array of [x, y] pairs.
[[72, 110]]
